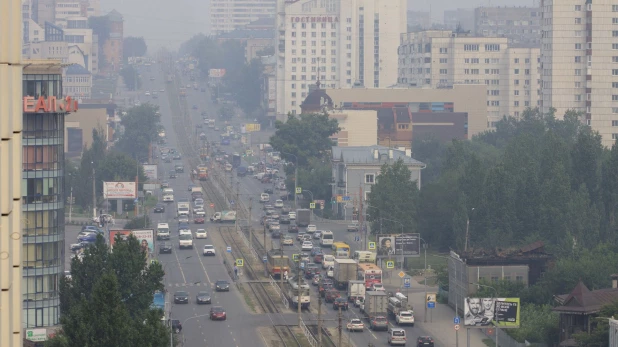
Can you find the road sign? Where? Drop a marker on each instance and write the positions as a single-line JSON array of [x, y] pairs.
[[299, 190], [371, 245], [228, 249], [402, 274], [390, 264], [456, 326], [431, 305], [456, 320], [406, 282], [136, 200], [295, 257], [431, 297], [302, 265], [240, 262], [346, 198], [264, 259], [312, 205]]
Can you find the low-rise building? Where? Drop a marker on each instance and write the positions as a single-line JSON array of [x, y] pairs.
[[77, 81], [79, 126], [355, 170], [358, 127]]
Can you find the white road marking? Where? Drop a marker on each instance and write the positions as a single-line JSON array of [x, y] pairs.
[[201, 263], [180, 267]]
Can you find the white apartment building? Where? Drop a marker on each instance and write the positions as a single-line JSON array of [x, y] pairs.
[[579, 61], [229, 15], [65, 10], [341, 43], [441, 58]]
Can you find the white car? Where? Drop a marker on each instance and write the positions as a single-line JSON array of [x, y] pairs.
[[147, 93], [278, 203], [377, 287], [264, 197], [162, 91], [355, 324], [201, 234], [275, 226], [311, 228], [199, 212], [288, 241], [292, 215], [307, 246], [405, 317], [317, 235], [168, 198], [209, 250]]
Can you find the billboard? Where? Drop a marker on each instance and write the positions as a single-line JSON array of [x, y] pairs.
[[252, 127], [150, 170], [217, 73], [394, 245], [484, 312], [145, 237], [119, 190]]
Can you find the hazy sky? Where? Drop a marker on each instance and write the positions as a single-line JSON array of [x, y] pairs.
[[166, 23]]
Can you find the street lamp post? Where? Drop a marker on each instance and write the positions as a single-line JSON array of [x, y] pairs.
[[295, 175], [495, 296], [310, 193]]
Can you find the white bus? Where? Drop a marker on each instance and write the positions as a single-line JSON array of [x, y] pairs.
[[326, 238]]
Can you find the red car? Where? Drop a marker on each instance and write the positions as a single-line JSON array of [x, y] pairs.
[[198, 220], [217, 313], [318, 258]]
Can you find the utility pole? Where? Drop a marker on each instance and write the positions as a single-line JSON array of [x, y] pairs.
[[236, 206], [360, 217], [299, 292], [339, 328], [319, 321], [250, 224], [94, 192]]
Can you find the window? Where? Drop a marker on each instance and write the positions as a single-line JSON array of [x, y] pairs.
[[614, 136], [516, 60], [578, 33], [443, 50], [614, 97], [578, 46], [443, 60], [578, 7], [492, 48], [369, 178], [578, 59], [615, 111], [615, 72], [614, 45], [578, 21], [614, 8], [516, 104], [470, 47], [443, 71], [614, 84], [615, 123], [516, 71], [578, 97], [614, 33], [516, 92], [521, 278], [578, 72], [614, 20]]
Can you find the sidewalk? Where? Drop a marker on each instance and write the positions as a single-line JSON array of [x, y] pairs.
[[439, 320]]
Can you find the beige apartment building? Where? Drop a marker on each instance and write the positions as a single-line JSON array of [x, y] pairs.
[[229, 15], [442, 58], [358, 127], [579, 61]]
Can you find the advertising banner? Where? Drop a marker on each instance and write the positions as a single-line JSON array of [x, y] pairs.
[[124, 234], [484, 312], [150, 170], [390, 246], [119, 190], [216, 73], [146, 239], [252, 127]]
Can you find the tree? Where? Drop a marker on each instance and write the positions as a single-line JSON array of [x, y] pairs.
[[245, 85], [107, 300], [139, 222], [393, 200], [133, 47], [599, 337], [306, 136], [226, 112], [131, 77], [118, 166], [141, 126]]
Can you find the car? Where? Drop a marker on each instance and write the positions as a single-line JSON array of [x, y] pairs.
[[278, 203], [172, 174], [209, 250], [191, 186], [306, 246], [300, 236], [264, 197], [396, 336], [306, 237], [199, 220], [165, 247], [316, 280], [292, 229], [162, 91], [92, 228], [360, 301], [276, 234], [274, 226], [200, 211], [177, 156], [147, 93], [331, 295], [292, 215], [311, 228], [318, 258], [165, 184], [87, 236], [203, 298], [76, 246], [316, 250], [377, 287], [287, 241], [222, 286], [183, 226], [355, 324], [304, 257], [275, 215], [268, 191], [183, 219], [181, 297], [159, 208], [340, 303], [201, 234], [424, 341], [168, 198], [176, 325], [284, 219], [405, 317], [353, 226], [317, 235], [217, 313], [378, 323]]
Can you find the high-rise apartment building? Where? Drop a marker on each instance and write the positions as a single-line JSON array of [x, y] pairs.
[[341, 43], [442, 58], [462, 18], [10, 180], [579, 61], [521, 25], [229, 15]]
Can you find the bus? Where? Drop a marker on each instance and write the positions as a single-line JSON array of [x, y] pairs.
[[365, 256], [341, 246], [235, 160], [305, 295], [369, 273], [326, 238]]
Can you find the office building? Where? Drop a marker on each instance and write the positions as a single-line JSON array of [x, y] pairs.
[[520, 25], [579, 62], [42, 189], [341, 43], [442, 58], [229, 15], [11, 65]]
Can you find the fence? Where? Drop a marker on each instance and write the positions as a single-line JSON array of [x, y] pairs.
[[312, 341]]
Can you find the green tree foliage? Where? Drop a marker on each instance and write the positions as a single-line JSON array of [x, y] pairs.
[[138, 223], [107, 300], [141, 126], [133, 47], [226, 112], [538, 324], [245, 85], [393, 198], [118, 166], [131, 77]]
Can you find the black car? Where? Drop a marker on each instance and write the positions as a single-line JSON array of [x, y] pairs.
[[292, 229], [222, 286], [340, 303], [203, 298], [284, 219], [275, 235], [159, 208], [173, 174], [268, 190], [177, 156], [424, 341], [165, 247], [181, 297], [176, 325]]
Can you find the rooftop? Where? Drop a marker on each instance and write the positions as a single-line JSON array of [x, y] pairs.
[[584, 301], [76, 69], [375, 155], [477, 256]]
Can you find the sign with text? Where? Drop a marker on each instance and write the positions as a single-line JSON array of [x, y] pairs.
[[36, 335], [49, 104], [484, 312], [252, 127], [408, 245], [216, 73], [145, 238], [150, 170], [119, 190]]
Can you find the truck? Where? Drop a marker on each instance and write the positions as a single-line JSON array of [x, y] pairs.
[[369, 273], [303, 217], [356, 289], [375, 305], [396, 304], [183, 208], [235, 160], [344, 272], [224, 217]]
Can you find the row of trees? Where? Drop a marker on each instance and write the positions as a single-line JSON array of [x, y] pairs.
[[107, 300]]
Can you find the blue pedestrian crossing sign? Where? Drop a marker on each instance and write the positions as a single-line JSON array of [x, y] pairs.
[[406, 282], [371, 245], [390, 264], [295, 257], [456, 320], [240, 263], [228, 249], [264, 259], [431, 304]]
